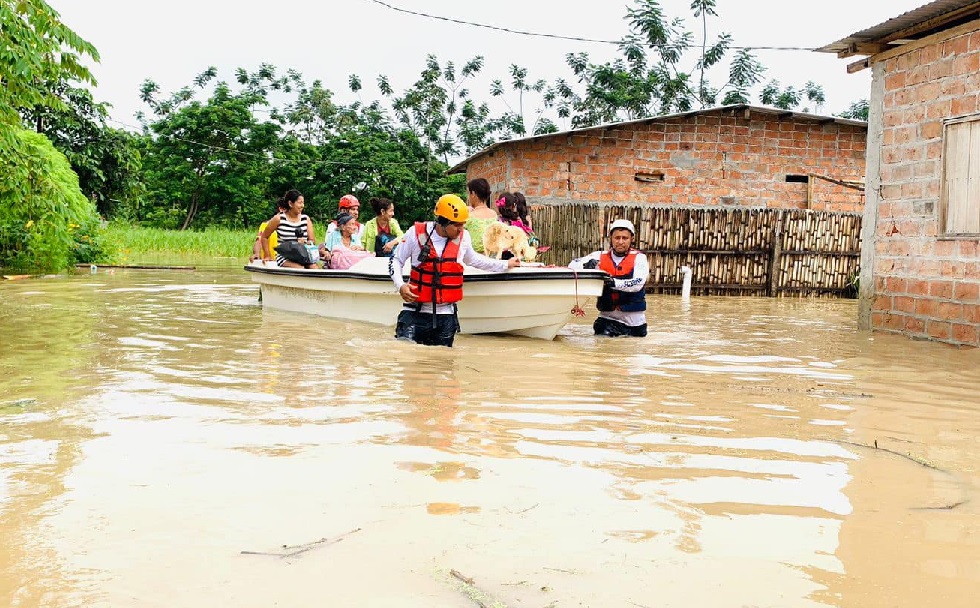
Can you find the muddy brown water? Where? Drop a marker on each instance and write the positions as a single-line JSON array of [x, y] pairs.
[[156, 425]]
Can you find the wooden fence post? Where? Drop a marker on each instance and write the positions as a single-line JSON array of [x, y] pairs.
[[777, 252]]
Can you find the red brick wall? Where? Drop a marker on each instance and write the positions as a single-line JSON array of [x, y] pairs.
[[924, 286], [703, 158]]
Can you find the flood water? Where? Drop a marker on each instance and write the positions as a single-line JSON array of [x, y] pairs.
[[156, 425]]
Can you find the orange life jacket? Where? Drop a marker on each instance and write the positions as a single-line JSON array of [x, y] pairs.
[[437, 279], [620, 300]]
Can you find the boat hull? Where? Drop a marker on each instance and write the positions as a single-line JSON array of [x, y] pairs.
[[532, 302]]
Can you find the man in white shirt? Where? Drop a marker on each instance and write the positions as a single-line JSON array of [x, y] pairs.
[[438, 251], [622, 305]]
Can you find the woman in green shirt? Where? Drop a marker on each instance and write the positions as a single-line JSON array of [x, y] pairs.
[[481, 214], [382, 233]]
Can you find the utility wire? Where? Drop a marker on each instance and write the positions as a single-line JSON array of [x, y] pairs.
[[274, 159], [576, 38]]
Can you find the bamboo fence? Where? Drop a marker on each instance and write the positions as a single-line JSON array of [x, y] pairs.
[[759, 252]]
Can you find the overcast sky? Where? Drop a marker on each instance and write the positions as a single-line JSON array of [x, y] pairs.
[[172, 41]]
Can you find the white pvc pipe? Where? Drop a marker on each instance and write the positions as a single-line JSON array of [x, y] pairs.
[[686, 288]]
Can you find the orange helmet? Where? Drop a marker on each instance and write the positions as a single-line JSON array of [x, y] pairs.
[[452, 208], [347, 201]]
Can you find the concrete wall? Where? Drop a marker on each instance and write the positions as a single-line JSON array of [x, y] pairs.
[[704, 160], [924, 285]]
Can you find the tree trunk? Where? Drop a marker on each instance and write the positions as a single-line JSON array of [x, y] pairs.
[[190, 213]]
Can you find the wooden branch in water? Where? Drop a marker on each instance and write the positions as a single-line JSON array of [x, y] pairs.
[[294, 550], [915, 459], [472, 591], [457, 574], [948, 507], [135, 266]]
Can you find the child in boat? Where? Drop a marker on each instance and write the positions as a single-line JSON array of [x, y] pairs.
[[512, 207]]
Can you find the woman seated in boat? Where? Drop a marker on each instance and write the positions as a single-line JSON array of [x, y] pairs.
[[481, 215], [382, 232], [290, 225], [343, 247]]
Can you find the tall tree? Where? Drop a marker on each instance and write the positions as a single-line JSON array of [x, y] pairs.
[[36, 49], [40, 201], [433, 105], [106, 160], [651, 76], [790, 98], [858, 110], [208, 159], [513, 122]]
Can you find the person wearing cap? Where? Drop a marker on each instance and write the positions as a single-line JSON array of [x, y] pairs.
[[348, 204], [437, 251], [622, 304]]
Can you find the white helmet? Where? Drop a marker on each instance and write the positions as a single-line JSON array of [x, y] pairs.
[[622, 224]]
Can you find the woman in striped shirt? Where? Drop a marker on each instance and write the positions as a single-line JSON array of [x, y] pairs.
[[290, 225]]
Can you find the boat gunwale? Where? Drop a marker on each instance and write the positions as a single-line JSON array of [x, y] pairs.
[[530, 275]]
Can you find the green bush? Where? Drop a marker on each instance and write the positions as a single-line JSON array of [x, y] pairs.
[[41, 207], [91, 244]]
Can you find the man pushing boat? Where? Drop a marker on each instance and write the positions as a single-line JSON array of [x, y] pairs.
[[622, 305], [438, 251]]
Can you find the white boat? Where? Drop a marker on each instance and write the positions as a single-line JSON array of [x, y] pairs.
[[533, 301]]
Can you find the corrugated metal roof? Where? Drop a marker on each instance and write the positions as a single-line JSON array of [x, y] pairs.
[[459, 168], [904, 21]]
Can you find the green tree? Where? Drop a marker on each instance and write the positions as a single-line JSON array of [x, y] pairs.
[[370, 156], [790, 98], [209, 161], [106, 160], [36, 49], [512, 123], [40, 201], [858, 110], [651, 76], [437, 107]]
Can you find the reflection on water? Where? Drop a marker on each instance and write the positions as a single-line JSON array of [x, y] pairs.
[[153, 425]]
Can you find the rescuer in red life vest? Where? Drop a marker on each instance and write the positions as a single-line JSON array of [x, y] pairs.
[[438, 251], [622, 305]]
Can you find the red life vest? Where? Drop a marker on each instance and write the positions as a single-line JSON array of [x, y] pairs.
[[620, 300], [438, 279]]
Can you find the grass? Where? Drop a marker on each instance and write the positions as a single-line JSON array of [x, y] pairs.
[[134, 244]]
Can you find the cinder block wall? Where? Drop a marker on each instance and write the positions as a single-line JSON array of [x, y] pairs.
[[924, 286], [708, 159]]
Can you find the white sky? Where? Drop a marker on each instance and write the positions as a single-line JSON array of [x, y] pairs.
[[172, 41]]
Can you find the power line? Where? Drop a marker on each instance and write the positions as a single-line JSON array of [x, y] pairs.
[[492, 27], [574, 38]]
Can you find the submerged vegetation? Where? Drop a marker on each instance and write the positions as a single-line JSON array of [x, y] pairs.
[[133, 243]]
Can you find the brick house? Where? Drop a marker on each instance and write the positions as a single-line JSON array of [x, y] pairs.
[[921, 274], [726, 156]]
